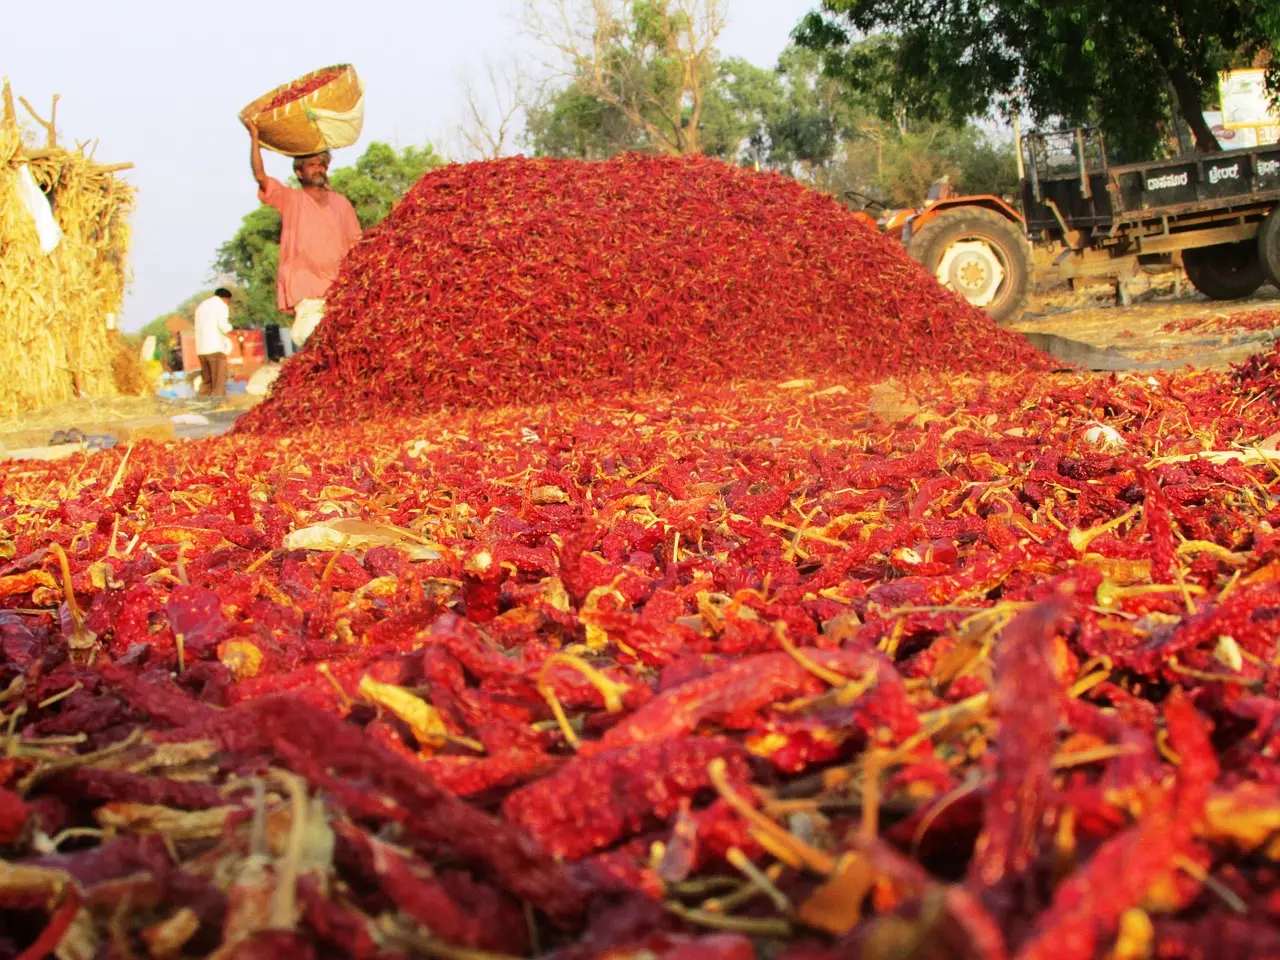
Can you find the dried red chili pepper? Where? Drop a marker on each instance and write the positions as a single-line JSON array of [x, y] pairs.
[[334, 755], [1027, 700], [593, 801]]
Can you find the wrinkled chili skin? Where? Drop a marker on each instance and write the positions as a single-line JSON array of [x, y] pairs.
[[732, 695], [308, 740], [1028, 697], [594, 801]]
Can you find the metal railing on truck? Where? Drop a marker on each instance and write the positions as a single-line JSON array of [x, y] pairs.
[[1071, 186]]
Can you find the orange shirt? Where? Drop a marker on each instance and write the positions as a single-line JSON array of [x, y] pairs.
[[316, 235]]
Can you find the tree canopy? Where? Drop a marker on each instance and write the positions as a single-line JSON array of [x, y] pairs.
[[798, 119], [575, 121], [374, 184], [638, 73], [1122, 64]]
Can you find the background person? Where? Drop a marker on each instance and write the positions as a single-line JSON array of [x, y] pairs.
[[213, 323], [319, 227]]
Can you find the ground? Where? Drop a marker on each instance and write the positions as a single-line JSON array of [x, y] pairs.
[[1211, 334], [118, 419], [1163, 327]]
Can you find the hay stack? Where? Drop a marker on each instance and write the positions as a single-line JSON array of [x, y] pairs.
[[57, 310]]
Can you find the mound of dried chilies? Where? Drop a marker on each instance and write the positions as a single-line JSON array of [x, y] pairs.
[[527, 281]]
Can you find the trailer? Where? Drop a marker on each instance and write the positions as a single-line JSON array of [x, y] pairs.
[[1083, 217]]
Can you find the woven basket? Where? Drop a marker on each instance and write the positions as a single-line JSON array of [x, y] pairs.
[[294, 130]]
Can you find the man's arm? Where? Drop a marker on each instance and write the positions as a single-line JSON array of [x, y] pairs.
[[255, 155]]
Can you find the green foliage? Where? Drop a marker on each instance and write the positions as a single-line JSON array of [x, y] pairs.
[[736, 107], [1118, 63], [804, 121], [748, 114], [376, 182], [898, 168], [811, 119], [575, 123], [381, 177], [646, 79], [156, 328], [252, 256]]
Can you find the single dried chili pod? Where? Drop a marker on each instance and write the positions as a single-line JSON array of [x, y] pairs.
[[481, 584]]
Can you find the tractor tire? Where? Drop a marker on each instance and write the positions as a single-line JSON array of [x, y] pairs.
[[1227, 271], [1269, 245], [989, 263]]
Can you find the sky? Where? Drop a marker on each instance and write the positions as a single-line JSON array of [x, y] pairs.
[[161, 83]]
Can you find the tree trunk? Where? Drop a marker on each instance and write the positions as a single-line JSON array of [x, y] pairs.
[[1188, 92], [1181, 129], [1186, 88]]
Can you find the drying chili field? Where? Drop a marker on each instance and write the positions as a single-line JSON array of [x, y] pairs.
[[822, 664], [788, 667]]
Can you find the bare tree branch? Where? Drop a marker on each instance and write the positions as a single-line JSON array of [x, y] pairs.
[[599, 45], [493, 109]]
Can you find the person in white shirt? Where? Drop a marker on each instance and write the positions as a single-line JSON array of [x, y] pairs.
[[213, 323]]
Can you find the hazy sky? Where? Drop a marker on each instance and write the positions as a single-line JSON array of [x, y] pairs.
[[160, 83]]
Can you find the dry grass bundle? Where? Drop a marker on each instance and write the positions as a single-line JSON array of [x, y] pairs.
[[55, 309], [127, 370]]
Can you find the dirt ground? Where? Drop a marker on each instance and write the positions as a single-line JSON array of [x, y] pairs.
[[1172, 327], [112, 420]]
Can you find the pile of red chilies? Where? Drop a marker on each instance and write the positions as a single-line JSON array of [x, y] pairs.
[[773, 669], [300, 88], [540, 281]]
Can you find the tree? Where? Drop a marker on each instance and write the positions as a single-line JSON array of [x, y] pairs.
[[493, 109], [574, 122], [898, 168], [1119, 63], [649, 60], [253, 257], [798, 120], [381, 177], [377, 181], [812, 117]]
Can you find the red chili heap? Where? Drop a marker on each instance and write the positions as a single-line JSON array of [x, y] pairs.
[[300, 88], [802, 671], [526, 281]]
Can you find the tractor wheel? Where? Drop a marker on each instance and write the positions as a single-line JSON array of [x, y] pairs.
[[1227, 271], [1269, 245], [979, 254]]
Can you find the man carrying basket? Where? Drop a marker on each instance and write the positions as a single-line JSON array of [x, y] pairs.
[[319, 227]]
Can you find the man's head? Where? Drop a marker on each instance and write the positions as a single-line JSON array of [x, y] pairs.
[[223, 293], [313, 169]]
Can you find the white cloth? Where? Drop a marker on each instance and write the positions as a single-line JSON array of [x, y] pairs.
[[307, 315], [213, 323], [37, 205], [339, 129]]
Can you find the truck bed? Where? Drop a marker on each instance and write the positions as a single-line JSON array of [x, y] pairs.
[[1165, 190]]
